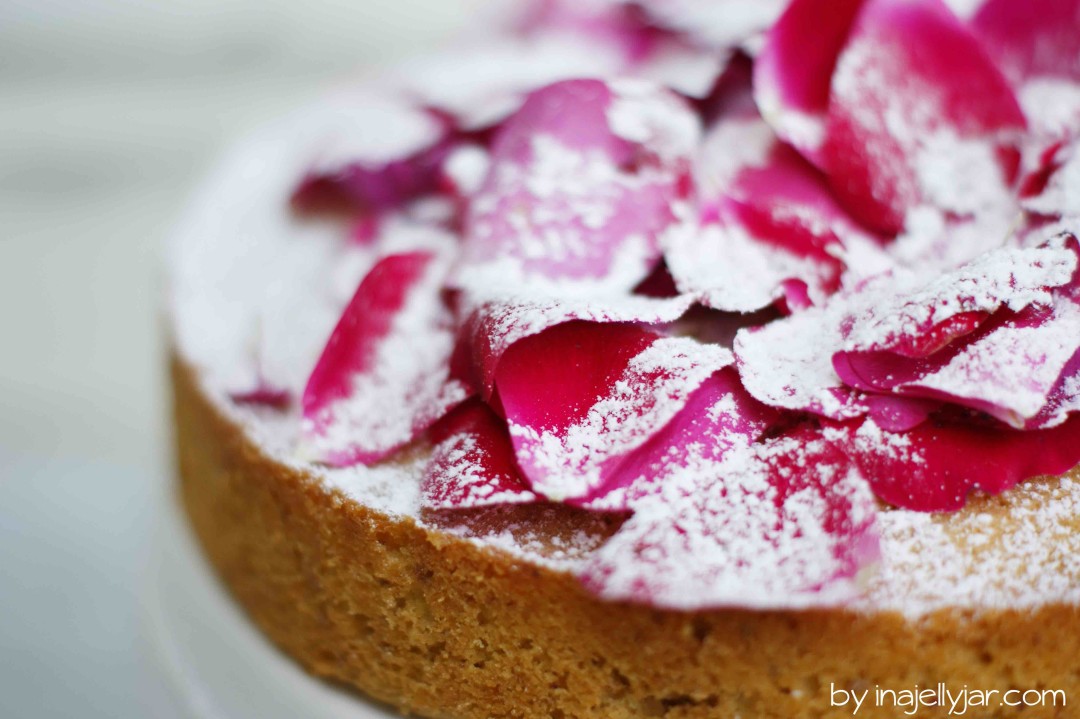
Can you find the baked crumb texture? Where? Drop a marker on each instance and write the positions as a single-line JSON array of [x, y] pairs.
[[439, 626]]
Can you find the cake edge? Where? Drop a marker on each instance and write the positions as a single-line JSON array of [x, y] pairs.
[[439, 626]]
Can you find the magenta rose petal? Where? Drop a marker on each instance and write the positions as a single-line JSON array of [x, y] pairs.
[[717, 416], [934, 467], [379, 155], [917, 113], [1035, 45], [581, 396], [390, 351], [583, 179], [473, 462], [793, 71], [491, 327], [1032, 39], [783, 523]]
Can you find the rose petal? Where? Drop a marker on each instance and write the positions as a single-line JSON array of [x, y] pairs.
[[473, 462], [583, 179], [913, 316], [1031, 39], [788, 363], [580, 396], [793, 72], [379, 154], [383, 377], [786, 523], [717, 416], [916, 111], [715, 23], [494, 325], [934, 467]]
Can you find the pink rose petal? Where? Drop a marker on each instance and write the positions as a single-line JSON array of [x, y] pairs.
[[1031, 39], [784, 523], [772, 229], [383, 377], [583, 179], [934, 467], [793, 71], [579, 397], [916, 110], [717, 416], [473, 462]]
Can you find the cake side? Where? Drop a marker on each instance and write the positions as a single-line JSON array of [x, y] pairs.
[[443, 627]]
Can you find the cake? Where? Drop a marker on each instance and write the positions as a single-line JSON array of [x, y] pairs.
[[657, 358]]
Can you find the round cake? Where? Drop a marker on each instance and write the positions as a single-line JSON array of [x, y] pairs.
[[657, 358]]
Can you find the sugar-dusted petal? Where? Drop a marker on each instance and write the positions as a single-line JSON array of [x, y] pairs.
[[473, 462], [788, 363], [383, 377], [492, 326], [715, 23], [935, 466], [923, 315], [793, 71], [1055, 191], [579, 397], [1037, 38], [379, 154], [1035, 45], [916, 113], [719, 415], [582, 180], [1008, 370], [770, 230], [783, 523]]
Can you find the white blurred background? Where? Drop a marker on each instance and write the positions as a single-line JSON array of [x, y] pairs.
[[110, 110]]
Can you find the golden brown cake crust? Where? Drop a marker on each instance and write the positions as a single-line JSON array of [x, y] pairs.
[[441, 627]]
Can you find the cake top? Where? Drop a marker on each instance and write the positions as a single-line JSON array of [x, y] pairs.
[[759, 285]]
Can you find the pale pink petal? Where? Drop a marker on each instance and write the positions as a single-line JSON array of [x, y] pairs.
[[473, 462], [582, 181], [783, 523], [579, 397], [383, 377]]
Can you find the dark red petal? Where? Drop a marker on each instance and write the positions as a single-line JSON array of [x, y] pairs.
[[264, 395], [383, 377], [785, 523], [933, 468], [473, 462], [580, 396], [381, 155]]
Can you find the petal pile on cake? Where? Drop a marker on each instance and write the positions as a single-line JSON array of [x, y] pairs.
[[743, 285]]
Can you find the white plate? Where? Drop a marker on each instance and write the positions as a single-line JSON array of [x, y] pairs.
[[219, 665]]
